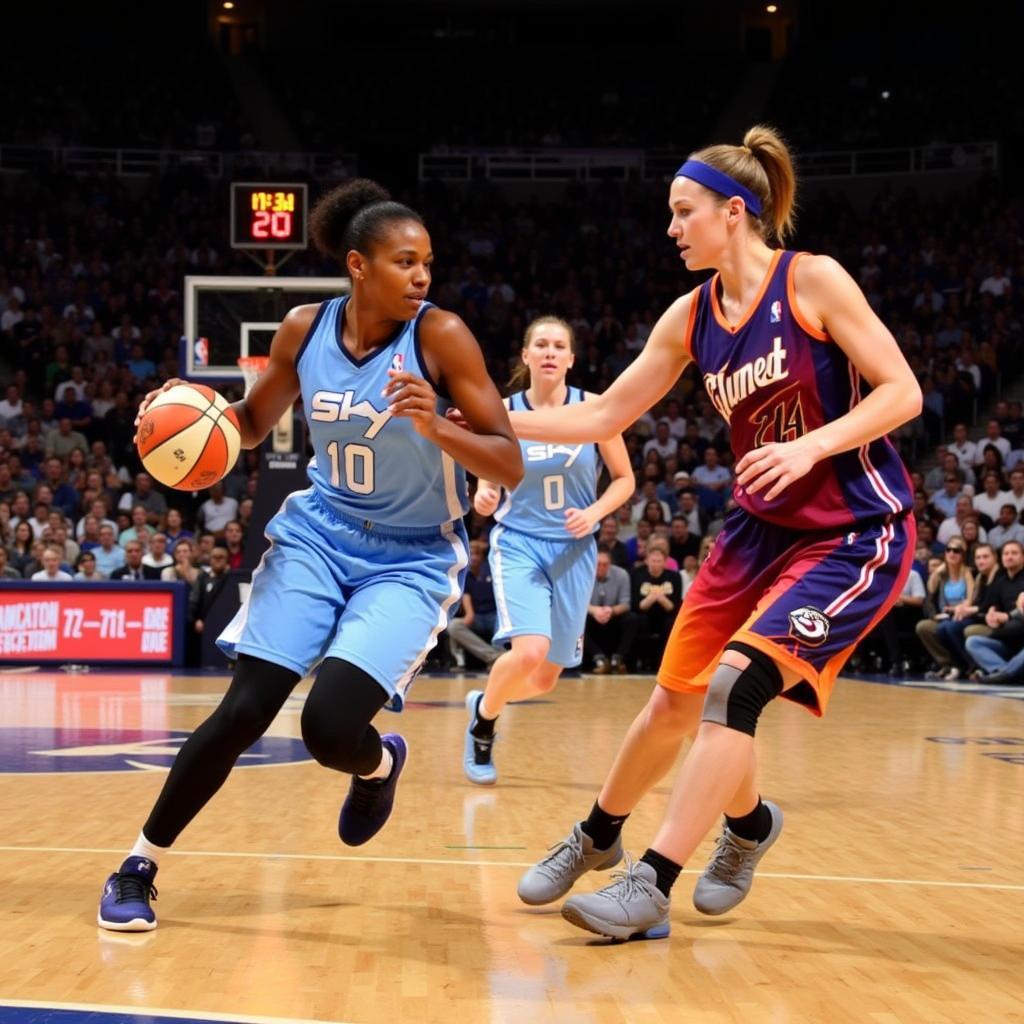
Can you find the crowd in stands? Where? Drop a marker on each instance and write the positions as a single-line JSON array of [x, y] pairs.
[[91, 313]]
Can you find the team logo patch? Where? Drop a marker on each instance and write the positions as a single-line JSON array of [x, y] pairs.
[[809, 626], [397, 362], [776, 312], [61, 750]]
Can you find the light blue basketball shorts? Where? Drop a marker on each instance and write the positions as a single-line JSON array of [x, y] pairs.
[[542, 588], [330, 587]]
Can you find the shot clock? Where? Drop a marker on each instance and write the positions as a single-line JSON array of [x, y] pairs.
[[268, 216]]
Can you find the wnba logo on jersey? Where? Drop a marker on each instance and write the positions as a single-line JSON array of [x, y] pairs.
[[397, 362], [775, 316], [809, 626]]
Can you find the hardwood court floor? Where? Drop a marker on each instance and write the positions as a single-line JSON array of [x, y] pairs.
[[895, 895]]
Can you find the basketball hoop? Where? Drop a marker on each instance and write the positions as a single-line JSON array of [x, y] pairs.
[[252, 367]]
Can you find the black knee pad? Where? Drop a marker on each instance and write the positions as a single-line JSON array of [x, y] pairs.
[[736, 697], [336, 717]]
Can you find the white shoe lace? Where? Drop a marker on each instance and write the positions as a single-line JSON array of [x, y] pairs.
[[627, 884], [727, 860], [565, 856]]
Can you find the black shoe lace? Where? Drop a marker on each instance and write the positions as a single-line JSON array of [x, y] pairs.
[[364, 794], [482, 749], [133, 888]]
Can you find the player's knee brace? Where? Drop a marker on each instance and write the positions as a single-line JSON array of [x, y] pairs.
[[737, 696]]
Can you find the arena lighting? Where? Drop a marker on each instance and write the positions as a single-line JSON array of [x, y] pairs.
[[771, 8], [228, 5]]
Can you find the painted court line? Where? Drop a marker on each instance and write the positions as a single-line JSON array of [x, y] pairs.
[[453, 862], [148, 1013]]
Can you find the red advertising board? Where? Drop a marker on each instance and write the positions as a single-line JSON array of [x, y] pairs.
[[53, 622]]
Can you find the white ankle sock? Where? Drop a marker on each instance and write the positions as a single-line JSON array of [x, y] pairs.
[[144, 848], [383, 770]]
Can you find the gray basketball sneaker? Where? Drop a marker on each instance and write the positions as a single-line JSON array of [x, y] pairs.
[[557, 873], [730, 873], [632, 907]]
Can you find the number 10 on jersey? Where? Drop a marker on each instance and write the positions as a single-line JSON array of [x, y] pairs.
[[358, 460]]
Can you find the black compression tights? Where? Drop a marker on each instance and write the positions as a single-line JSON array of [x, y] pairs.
[[335, 727]]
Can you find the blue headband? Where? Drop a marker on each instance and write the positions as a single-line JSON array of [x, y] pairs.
[[719, 182]]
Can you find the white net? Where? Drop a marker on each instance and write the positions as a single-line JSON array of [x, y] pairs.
[[252, 367]]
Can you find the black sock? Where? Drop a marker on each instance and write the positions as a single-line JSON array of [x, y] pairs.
[[602, 828], [755, 826], [668, 870], [482, 728]]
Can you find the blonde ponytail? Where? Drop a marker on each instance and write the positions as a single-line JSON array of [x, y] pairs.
[[764, 165]]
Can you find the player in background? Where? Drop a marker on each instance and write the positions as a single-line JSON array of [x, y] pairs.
[[543, 556]]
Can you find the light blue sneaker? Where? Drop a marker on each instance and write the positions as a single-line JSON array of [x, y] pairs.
[[477, 754], [124, 905]]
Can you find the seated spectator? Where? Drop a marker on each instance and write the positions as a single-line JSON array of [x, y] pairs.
[[174, 530], [233, 543], [1000, 656], [611, 626], [992, 437], [133, 570], [20, 552], [948, 586], [965, 450], [7, 571], [208, 585], [63, 440], [944, 501], [682, 543], [1016, 491], [474, 628], [217, 511], [659, 541], [51, 571], [157, 557], [663, 442], [139, 520], [991, 498], [204, 548], [1007, 527], [952, 526], [713, 480], [65, 497], [636, 547], [40, 519], [72, 405], [86, 568], [608, 537], [109, 555], [147, 496], [98, 511], [656, 596], [971, 534], [184, 569]]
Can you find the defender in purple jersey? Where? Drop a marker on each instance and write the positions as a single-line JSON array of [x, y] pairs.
[[810, 382]]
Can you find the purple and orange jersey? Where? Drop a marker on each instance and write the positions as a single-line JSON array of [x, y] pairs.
[[774, 377], [803, 577]]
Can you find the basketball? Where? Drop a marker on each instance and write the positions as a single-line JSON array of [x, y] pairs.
[[189, 437]]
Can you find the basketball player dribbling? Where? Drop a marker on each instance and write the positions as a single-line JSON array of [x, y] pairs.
[[377, 538], [813, 556]]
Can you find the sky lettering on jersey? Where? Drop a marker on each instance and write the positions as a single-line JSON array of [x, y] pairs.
[[543, 452], [726, 390], [335, 406]]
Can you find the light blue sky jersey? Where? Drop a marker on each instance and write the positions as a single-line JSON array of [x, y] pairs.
[[368, 464], [557, 477]]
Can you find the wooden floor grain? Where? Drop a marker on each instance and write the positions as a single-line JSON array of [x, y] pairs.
[[895, 895]]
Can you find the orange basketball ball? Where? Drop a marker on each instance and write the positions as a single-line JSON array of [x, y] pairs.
[[189, 437]]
